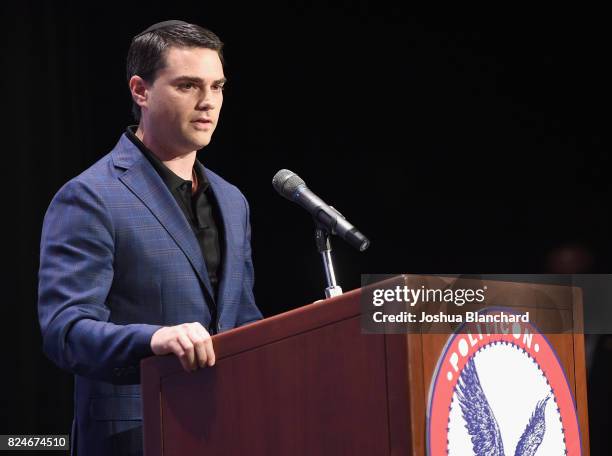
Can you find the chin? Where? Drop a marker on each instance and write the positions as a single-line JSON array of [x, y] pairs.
[[199, 143], [202, 144], [203, 137]]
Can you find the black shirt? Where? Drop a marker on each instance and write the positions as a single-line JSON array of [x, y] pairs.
[[200, 209]]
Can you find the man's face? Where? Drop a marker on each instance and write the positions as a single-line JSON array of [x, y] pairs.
[[184, 101]]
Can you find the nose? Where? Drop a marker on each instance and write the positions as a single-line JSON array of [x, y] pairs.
[[206, 103]]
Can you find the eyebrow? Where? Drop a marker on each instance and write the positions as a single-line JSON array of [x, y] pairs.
[[197, 80]]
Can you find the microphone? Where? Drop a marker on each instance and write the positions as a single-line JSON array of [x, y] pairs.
[[289, 185]]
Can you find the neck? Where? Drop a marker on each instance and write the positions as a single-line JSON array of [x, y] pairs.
[[180, 163]]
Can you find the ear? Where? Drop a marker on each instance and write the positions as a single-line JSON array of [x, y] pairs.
[[139, 89]]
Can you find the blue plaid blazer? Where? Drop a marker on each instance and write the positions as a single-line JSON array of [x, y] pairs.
[[119, 260]]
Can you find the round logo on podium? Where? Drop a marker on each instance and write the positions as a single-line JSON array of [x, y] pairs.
[[500, 390]]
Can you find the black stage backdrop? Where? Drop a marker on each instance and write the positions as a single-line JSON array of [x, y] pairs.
[[458, 141]]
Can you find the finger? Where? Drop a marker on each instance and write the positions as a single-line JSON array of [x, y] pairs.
[[197, 338], [208, 345], [176, 348], [187, 345]]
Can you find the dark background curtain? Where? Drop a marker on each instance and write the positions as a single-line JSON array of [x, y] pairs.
[[460, 141]]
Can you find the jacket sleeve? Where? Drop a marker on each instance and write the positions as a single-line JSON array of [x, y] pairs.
[[75, 276], [249, 311]]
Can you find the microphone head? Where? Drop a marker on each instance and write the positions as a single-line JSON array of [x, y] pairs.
[[286, 183]]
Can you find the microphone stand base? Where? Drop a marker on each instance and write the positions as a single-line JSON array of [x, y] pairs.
[[330, 292]]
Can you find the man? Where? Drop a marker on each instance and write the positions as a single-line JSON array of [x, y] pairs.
[[146, 252]]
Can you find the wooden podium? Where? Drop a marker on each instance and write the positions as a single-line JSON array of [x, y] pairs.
[[308, 382]]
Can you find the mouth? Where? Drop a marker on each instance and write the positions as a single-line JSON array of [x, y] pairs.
[[202, 123]]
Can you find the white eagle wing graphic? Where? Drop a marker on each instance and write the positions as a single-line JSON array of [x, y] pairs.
[[480, 421], [482, 425], [534, 432]]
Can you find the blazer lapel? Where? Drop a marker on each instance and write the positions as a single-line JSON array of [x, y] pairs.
[[232, 222], [142, 179]]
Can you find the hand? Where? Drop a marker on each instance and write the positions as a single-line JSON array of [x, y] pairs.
[[189, 341]]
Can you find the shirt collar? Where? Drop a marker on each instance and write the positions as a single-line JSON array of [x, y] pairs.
[[171, 179]]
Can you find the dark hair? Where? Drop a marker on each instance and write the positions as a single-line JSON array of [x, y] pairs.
[[146, 55]]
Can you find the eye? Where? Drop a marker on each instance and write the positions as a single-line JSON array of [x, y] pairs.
[[218, 87], [186, 86]]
